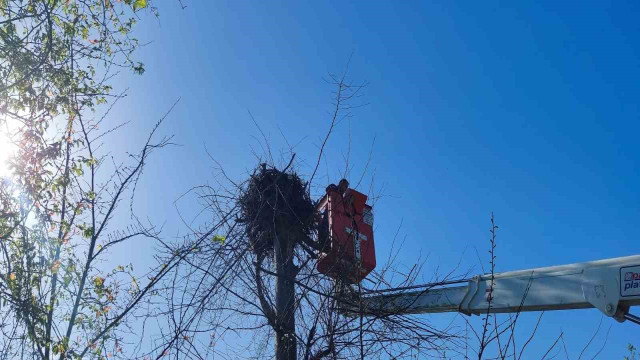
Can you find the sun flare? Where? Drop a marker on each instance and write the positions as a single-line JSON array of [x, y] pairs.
[[7, 149]]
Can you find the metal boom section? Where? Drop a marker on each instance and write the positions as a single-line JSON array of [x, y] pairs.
[[611, 286]]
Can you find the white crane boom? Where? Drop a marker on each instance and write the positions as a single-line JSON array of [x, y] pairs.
[[611, 286]]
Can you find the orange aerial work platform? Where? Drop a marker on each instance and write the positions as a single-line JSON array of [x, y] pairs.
[[346, 234]]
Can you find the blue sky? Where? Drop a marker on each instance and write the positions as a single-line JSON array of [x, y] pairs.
[[529, 110]]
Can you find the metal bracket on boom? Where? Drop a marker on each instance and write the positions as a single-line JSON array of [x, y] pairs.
[[472, 291], [611, 286]]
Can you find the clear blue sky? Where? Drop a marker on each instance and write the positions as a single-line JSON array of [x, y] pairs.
[[529, 110]]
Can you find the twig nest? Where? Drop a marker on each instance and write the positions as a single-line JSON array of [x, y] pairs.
[[275, 202]]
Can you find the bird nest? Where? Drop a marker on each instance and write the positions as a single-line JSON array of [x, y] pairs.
[[275, 202]]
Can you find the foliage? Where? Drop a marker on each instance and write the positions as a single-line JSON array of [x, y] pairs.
[[57, 62], [57, 55]]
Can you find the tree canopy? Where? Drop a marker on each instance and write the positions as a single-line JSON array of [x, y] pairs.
[[58, 60]]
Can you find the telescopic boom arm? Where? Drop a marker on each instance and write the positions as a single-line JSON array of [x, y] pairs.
[[611, 286]]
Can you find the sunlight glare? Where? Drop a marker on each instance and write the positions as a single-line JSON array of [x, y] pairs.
[[7, 149]]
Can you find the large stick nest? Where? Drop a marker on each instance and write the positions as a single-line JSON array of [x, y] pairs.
[[275, 203]]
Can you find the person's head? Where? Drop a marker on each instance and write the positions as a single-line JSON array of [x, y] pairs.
[[343, 185]]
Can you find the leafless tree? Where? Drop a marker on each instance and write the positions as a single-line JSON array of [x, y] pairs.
[[249, 282]]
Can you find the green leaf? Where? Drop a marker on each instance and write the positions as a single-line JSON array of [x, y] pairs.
[[138, 68], [139, 4], [90, 162], [78, 169], [219, 239], [88, 232]]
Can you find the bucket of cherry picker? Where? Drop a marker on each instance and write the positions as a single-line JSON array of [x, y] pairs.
[[345, 234]]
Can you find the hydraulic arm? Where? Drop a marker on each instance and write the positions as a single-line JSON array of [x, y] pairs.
[[611, 286]]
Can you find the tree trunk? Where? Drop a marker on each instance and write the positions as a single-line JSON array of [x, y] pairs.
[[285, 299]]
